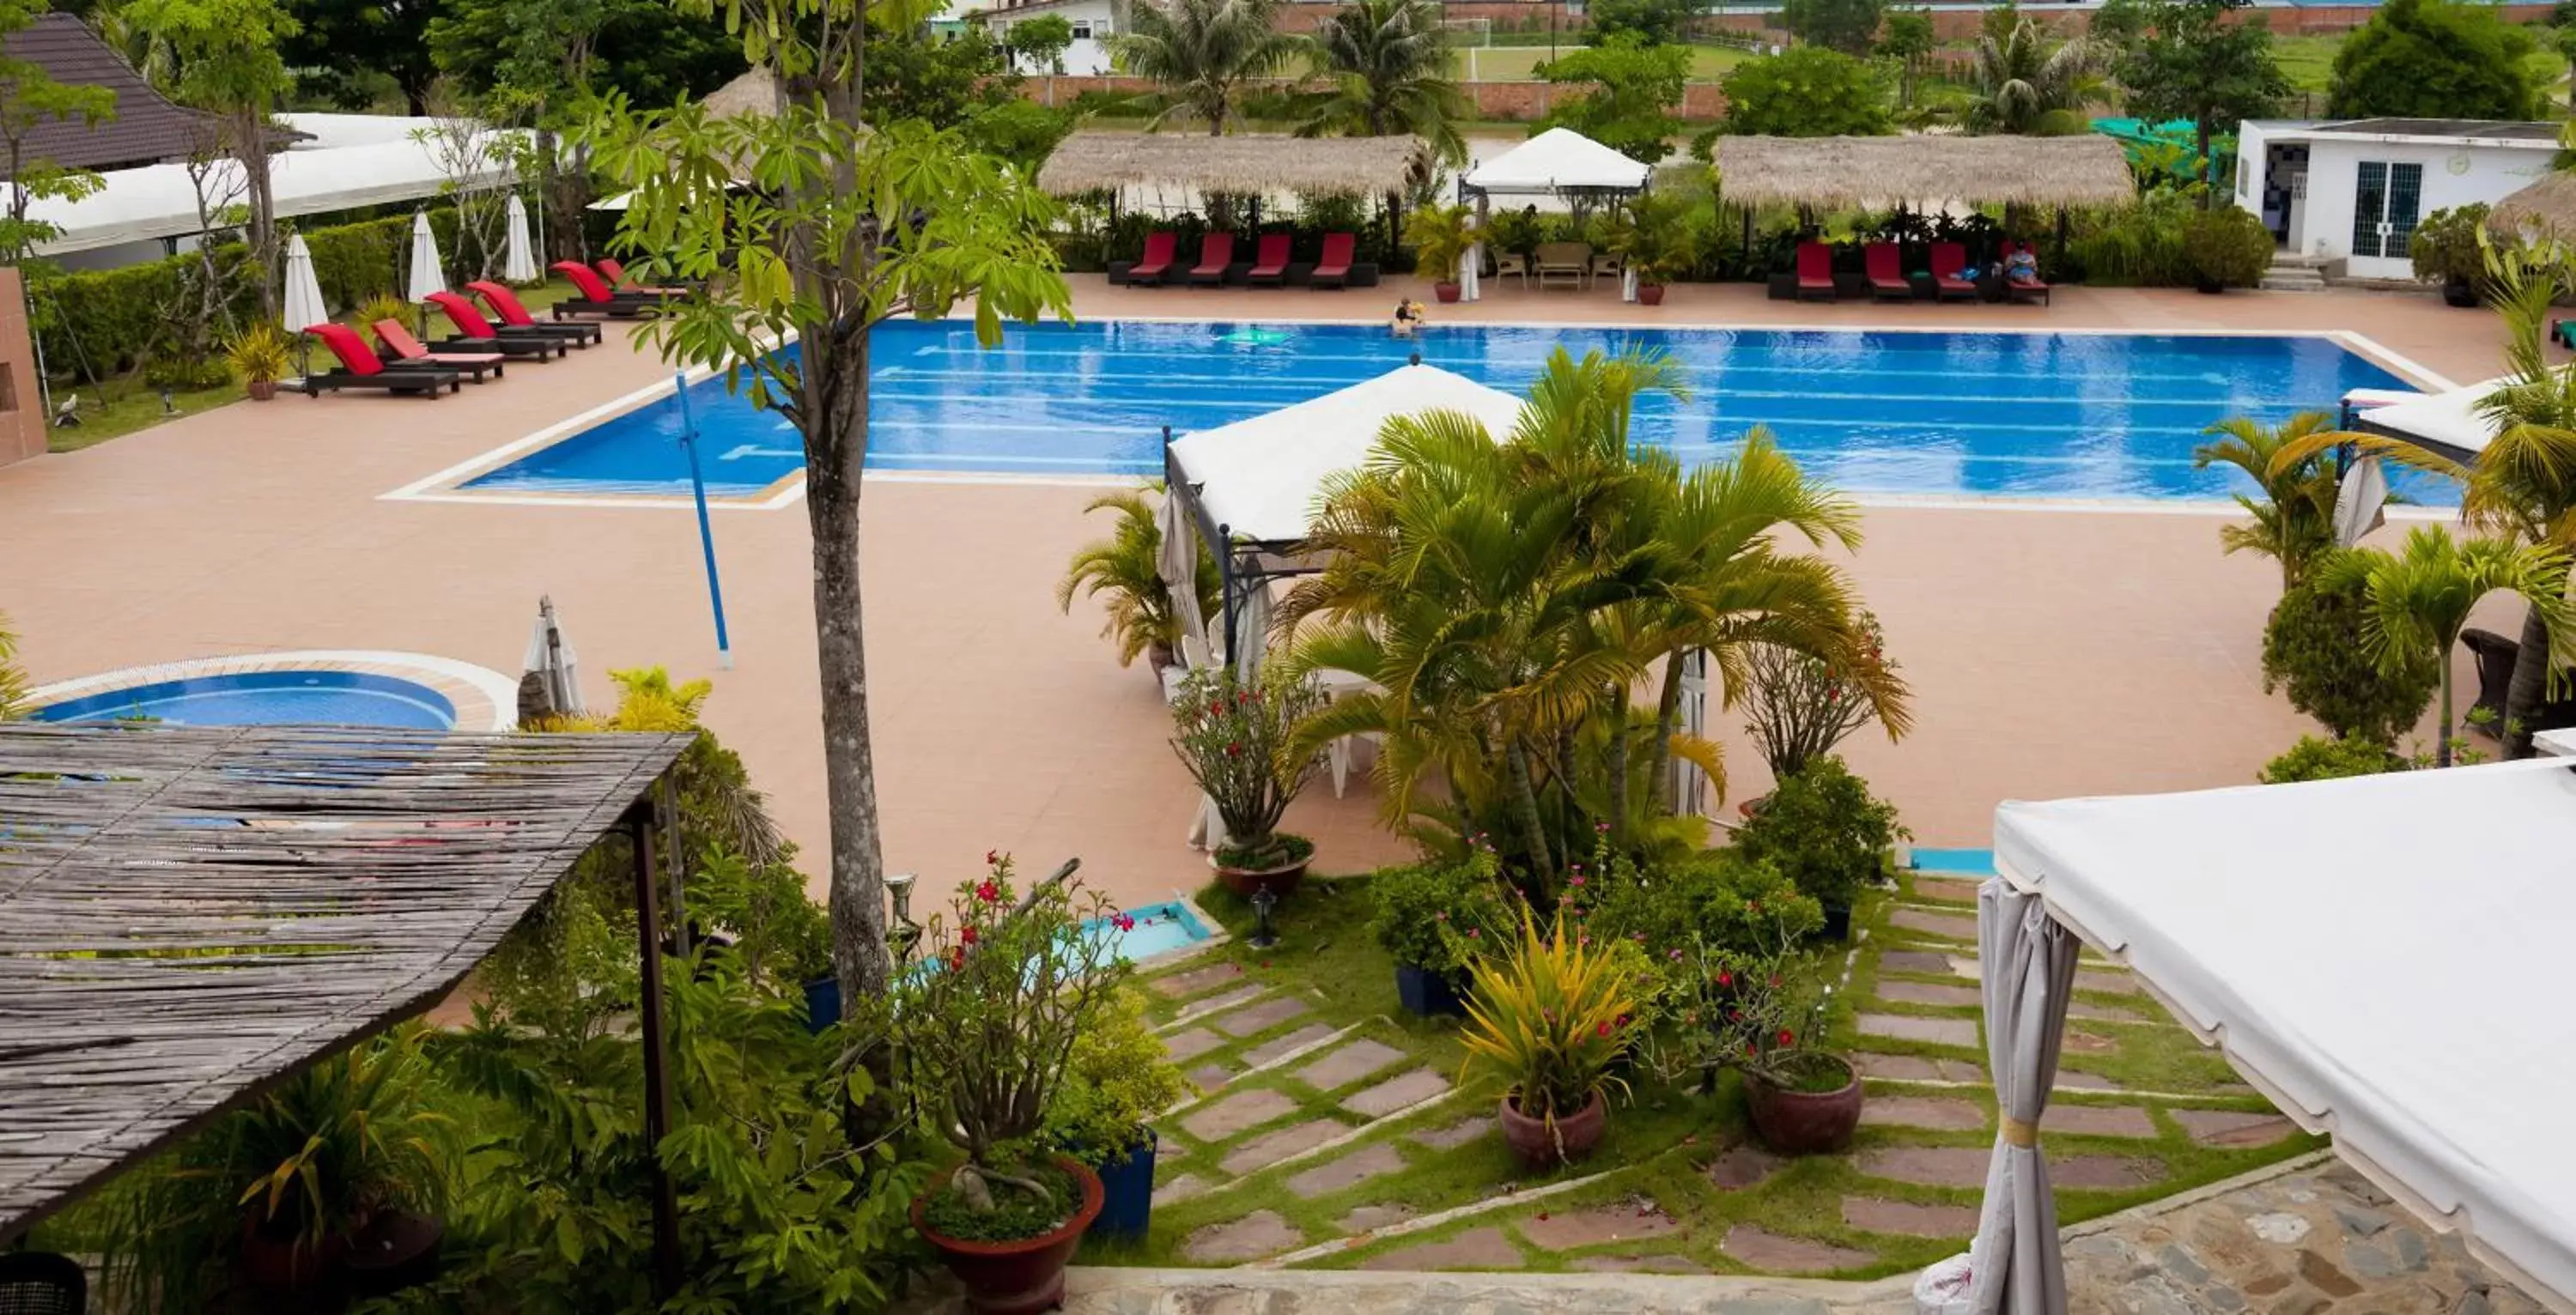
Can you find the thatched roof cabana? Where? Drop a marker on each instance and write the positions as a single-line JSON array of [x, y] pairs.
[[756, 93], [1837, 173], [2547, 207], [1255, 163]]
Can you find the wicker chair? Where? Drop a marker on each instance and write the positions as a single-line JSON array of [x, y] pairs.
[[42, 1283]]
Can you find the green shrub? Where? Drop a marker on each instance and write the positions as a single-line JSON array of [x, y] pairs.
[[1824, 831], [1806, 91], [2446, 247], [2134, 246], [2316, 758], [2226, 247], [2434, 59], [1719, 901], [1117, 1078], [1440, 916], [2313, 648]]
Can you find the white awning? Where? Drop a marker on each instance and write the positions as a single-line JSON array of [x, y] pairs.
[[2383, 956], [1559, 159], [2446, 421], [1259, 478]]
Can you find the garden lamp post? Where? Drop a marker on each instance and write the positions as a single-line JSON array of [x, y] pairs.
[[902, 933], [1263, 901]]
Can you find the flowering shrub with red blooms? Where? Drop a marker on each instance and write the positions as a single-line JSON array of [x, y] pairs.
[[1763, 1012], [1234, 739], [1799, 706]]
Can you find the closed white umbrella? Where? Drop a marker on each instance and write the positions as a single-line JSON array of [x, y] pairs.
[[2029, 961], [1251, 638], [1178, 564], [426, 275], [552, 665], [1470, 266], [1690, 793], [2359, 501], [303, 307], [518, 259]]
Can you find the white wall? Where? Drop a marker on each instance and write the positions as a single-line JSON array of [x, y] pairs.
[[1088, 55], [2453, 176]]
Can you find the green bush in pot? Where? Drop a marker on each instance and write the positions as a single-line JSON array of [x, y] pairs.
[[2449, 248], [1234, 737], [1826, 833]]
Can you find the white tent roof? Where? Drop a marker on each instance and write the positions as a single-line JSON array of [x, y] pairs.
[[330, 131], [2384, 956], [159, 201], [1556, 159], [1259, 478], [2446, 420]]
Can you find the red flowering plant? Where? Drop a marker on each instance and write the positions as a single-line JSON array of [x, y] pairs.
[[982, 1032], [1799, 705], [1235, 739], [1763, 1011]]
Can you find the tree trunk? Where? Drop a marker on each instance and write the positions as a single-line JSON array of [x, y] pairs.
[[1618, 703], [836, 442], [2208, 167], [251, 148], [2442, 747], [2529, 688], [1525, 812], [1668, 716]]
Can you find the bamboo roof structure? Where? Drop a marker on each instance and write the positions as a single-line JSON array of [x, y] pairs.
[[1251, 162], [756, 93], [2545, 208], [189, 915], [1838, 173]]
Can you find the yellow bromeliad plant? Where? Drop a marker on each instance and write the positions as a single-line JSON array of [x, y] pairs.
[[1549, 1020]]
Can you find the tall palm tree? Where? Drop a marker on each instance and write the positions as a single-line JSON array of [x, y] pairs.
[[1202, 52], [2027, 89], [2294, 519], [2420, 598], [1388, 61], [1126, 567]]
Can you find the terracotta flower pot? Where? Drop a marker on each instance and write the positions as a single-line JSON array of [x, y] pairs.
[[1020, 1277], [1445, 291], [281, 1264], [1804, 1122], [1281, 881], [1650, 294], [261, 390], [1572, 1139]]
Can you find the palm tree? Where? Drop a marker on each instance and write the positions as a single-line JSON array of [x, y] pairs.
[[2294, 519], [1127, 567], [1202, 52], [1388, 61], [2027, 89], [2420, 599], [13, 678]]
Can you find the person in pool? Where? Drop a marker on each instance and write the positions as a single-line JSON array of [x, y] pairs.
[[1408, 317]]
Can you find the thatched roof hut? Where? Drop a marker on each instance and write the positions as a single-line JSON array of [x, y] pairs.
[[2547, 207], [1847, 172], [1254, 163], [756, 92]]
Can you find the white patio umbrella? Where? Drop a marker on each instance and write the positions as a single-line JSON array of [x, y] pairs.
[[303, 306], [426, 275], [2359, 500], [1690, 784], [1470, 266], [2029, 961], [551, 666], [518, 259]]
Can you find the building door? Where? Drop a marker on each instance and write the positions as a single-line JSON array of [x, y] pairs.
[[2387, 199]]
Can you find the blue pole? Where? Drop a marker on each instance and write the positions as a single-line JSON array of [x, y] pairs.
[[706, 532]]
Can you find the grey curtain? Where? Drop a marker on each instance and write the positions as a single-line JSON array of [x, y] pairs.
[[1179, 567], [2028, 970]]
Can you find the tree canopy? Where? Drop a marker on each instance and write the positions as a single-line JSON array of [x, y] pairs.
[[1850, 26], [1805, 91], [1656, 21], [346, 51], [1634, 88], [2191, 63], [2435, 59], [1388, 63]]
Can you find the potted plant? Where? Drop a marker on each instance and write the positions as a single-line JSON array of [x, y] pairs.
[[2449, 248], [1765, 1018], [1125, 572], [1435, 920], [1550, 1020], [1657, 242], [1235, 739], [1827, 834], [983, 1039], [1118, 1077], [1799, 705], [1440, 236], [259, 355], [2225, 248]]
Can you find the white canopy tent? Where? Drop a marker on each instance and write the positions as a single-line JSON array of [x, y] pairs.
[[1559, 160], [2447, 423], [2381, 956]]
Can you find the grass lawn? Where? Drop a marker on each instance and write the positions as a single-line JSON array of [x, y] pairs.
[[1519, 63], [1675, 1186]]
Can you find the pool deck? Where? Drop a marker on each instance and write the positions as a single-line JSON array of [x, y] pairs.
[[2053, 651]]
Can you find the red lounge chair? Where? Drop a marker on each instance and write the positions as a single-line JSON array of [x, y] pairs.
[[594, 297], [2025, 289], [399, 347], [482, 335], [1879, 262], [1271, 264], [1216, 256], [1815, 271], [361, 369], [610, 269], [1161, 246], [1950, 271], [505, 304], [1334, 270]]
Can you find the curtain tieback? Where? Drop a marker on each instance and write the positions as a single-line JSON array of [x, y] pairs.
[[2018, 1133]]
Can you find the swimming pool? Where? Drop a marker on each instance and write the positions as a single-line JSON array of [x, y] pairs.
[[2062, 415], [268, 698]]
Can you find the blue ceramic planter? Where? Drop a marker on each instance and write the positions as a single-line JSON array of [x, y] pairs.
[[1127, 1193], [1427, 994]]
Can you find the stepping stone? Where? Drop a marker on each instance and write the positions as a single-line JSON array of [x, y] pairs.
[[1961, 1070], [1744, 1165], [1927, 993], [1197, 981], [2070, 1080], [1261, 1233], [1261, 1017], [2094, 1014], [1931, 1166], [1898, 1068], [2098, 1121], [1957, 927], [1180, 1189], [1370, 1218], [1482, 1248], [1244, 1109], [2104, 1173], [1348, 1064], [2115, 983], [2234, 1128], [2088, 1043], [1871, 1214], [1914, 961], [1396, 1093], [1241, 995], [1939, 888], [1910, 1027], [1278, 1048], [1922, 1112], [1775, 1254], [1592, 1228], [1185, 1045], [1262, 1152], [1966, 966], [1357, 1167], [1209, 1077], [1639, 1265], [1449, 1138]]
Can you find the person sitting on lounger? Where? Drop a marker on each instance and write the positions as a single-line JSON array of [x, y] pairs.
[[1408, 315], [2021, 266]]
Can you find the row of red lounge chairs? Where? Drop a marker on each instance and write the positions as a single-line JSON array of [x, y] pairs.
[[402, 363], [1881, 264], [1216, 259]]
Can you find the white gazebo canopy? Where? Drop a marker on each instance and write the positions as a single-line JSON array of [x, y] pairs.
[[1259, 479], [2384, 957], [1557, 160]]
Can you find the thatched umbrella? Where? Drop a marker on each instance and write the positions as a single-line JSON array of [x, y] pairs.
[[1845, 173], [2545, 208]]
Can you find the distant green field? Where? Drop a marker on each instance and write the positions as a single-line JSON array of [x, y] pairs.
[[1516, 63]]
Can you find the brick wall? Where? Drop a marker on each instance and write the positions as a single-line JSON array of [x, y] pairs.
[[1961, 24], [1517, 102]]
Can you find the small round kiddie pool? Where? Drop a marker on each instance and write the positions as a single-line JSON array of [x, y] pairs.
[[397, 690]]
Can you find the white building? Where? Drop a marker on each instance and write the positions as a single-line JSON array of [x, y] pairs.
[[2355, 190], [1093, 22]]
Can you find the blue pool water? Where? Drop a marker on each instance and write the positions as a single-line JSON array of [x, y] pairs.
[[1956, 862], [1160, 929], [2030, 414], [268, 698]]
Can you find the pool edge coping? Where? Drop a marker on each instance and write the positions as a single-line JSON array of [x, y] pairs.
[[484, 699]]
